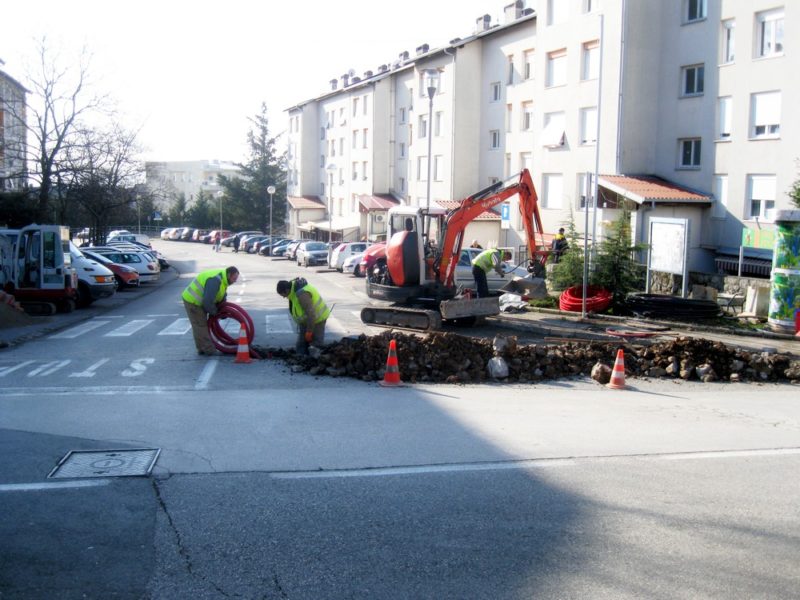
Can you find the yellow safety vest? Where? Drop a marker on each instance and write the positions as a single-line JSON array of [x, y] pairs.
[[484, 259], [320, 308], [193, 294]]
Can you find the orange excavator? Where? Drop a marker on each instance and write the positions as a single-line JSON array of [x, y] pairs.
[[423, 250]]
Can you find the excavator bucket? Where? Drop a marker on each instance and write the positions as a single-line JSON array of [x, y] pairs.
[[478, 307]]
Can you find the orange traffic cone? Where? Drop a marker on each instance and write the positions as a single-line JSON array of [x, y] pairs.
[[391, 377], [243, 351], [618, 373]]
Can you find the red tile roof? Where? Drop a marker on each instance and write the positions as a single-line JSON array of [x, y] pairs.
[[370, 202], [487, 215], [301, 202], [648, 188]]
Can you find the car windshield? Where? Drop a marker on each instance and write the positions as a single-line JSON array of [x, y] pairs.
[[316, 246]]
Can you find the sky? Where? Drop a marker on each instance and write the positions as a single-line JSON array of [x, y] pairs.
[[188, 74]]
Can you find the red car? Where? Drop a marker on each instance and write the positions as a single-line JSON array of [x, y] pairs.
[[372, 255]]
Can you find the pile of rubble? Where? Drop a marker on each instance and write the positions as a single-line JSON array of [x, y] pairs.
[[453, 358]]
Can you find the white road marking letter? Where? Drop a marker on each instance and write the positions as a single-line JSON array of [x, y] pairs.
[[90, 371], [7, 370], [49, 367], [138, 367]]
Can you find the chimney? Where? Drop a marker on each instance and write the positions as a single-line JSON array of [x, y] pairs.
[[383, 68], [356, 79], [422, 49], [334, 83], [367, 74], [345, 80], [482, 23], [514, 10], [404, 55]]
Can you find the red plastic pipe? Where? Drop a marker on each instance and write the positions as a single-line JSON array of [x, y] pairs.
[[224, 342]]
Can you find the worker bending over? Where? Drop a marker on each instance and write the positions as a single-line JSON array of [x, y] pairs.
[[308, 310], [489, 259], [201, 298]]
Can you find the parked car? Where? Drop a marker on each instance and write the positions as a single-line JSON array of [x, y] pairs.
[[216, 234], [248, 243], [352, 265], [370, 258], [463, 275], [144, 262], [94, 280], [268, 249], [312, 253], [137, 238], [228, 241], [280, 249], [344, 251], [126, 276], [198, 235], [165, 233], [291, 250]]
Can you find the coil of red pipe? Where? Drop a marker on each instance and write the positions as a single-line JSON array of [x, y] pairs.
[[222, 341], [597, 299]]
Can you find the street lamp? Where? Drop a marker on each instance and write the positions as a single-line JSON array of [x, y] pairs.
[[431, 84], [270, 191], [331, 169]]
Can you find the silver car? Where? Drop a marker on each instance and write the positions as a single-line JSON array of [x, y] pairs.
[[464, 271]]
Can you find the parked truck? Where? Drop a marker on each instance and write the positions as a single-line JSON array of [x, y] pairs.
[[35, 268]]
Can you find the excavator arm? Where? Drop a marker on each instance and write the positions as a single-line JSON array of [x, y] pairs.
[[458, 219]]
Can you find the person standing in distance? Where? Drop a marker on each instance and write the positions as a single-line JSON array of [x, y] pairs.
[[308, 310], [489, 259], [201, 298]]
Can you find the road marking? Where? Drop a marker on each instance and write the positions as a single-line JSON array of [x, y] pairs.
[[90, 372], [284, 324], [729, 454], [60, 485], [177, 327], [205, 376], [49, 368], [7, 370], [74, 332], [129, 328]]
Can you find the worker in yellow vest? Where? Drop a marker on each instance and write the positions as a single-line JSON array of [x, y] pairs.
[[489, 259], [202, 298], [308, 310]]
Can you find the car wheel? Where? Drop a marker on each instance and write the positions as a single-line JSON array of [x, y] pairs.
[[357, 272], [84, 295]]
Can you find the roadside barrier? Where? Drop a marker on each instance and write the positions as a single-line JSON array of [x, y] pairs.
[[391, 377], [618, 373]]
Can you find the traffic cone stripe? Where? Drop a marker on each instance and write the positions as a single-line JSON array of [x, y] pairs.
[[243, 351], [391, 376], [618, 373]]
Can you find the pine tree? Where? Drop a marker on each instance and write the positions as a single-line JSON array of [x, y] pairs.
[[615, 268]]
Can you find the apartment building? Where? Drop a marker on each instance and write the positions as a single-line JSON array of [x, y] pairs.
[[170, 180], [678, 107], [13, 133]]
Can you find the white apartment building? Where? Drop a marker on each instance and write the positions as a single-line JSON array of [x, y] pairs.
[[679, 106], [13, 134], [168, 180]]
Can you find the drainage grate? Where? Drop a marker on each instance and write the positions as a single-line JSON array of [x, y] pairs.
[[135, 462]]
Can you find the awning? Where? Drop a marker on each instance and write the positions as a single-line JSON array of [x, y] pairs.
[[750, 266], [370, 202], [648, 188]]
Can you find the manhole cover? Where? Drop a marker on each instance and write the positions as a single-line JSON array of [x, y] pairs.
[[135, 462]]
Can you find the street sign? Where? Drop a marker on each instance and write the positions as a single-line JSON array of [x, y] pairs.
[[156, 215], [505, 216]]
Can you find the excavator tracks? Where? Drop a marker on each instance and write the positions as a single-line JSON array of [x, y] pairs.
[[407, 318]]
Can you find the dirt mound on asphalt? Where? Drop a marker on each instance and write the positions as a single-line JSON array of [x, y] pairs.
[[453, 358], [11, 317]]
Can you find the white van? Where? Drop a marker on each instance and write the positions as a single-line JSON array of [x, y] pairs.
[[94, 280], [139, 238]]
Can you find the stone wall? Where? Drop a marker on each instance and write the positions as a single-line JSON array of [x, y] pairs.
[[667, 283]]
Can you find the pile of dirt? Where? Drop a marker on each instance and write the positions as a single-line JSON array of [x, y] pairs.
[[453, 358], [11, 316]]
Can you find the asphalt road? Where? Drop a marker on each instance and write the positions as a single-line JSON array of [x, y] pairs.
[[274, 484]]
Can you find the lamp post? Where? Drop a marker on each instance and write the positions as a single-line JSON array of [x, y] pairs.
[[270, 191], [431, 84], [331, 169]]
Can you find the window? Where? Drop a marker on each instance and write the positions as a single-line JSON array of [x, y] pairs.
[[689, 153], [341, 176], [589, 125], [728, 41], [402, 184], [591, 60], [585, 189], [507, 166], [341, 146], [332, 151], [402, 115], [342, 118], [437, 167], [495, 92], [321, 161], [695, 10], [589, 5], [437, 124], [422, 168], [494, 139], [553, 134], [693, 79], [553, 190], [355, 138], [423, 126], [322, 133], [761, 192], [402, 150], [527, 116], [526, 161], [765, 115], [355, 107], [769, 33], [364, 138], [720, 208], [556, 11], [355, 171], [510, 79], [724, 118], [364, 105], [364, 170], [527, 72], [557, 68], [509, 116]]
